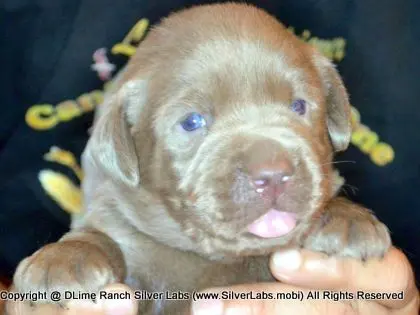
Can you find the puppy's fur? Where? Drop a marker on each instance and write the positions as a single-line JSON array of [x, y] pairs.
[[169, 209]]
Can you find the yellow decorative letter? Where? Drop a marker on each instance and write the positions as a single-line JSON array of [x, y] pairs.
[[41, 117]]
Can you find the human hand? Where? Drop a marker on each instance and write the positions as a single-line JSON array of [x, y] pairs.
[[305, 271]]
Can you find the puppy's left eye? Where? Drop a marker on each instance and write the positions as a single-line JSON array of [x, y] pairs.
[[193, 121], [299, 106]]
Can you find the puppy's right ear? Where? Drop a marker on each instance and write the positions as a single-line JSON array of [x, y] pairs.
[[111, 147]]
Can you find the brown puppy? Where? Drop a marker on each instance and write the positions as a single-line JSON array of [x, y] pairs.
[[213, 149]]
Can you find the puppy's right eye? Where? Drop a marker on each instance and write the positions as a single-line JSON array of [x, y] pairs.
[[193, 121], [299, 106]]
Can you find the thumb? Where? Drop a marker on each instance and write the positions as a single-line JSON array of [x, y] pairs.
[[391, 274], [308, 269], [118, 299]]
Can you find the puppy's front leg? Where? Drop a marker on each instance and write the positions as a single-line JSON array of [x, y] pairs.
[[82, 261], [349, 230]]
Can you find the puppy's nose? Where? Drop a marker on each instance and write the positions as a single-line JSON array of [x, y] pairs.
[[270, 178]]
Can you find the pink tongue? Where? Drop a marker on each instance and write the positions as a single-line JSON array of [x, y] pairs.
[[273, 224]]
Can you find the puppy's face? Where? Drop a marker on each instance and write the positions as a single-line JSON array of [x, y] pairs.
[[234, 132]]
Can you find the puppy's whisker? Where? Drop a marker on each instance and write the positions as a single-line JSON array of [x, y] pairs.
[[354, 189], [337, 162]]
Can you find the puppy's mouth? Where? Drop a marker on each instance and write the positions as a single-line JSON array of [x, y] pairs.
[[274, 223]]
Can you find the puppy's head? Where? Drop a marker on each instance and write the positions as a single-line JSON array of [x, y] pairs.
[[232, 121]]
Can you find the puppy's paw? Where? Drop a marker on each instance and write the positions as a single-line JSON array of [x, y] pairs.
[[65, 268], [348, 230]]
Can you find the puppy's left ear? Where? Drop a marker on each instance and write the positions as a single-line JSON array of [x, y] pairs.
[[337, 102]]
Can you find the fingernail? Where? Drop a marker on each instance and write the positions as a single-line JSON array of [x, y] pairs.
[[118, 306], [290, 260], [207, 307]]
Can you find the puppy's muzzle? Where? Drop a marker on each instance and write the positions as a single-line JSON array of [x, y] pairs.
[[270, 169]]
